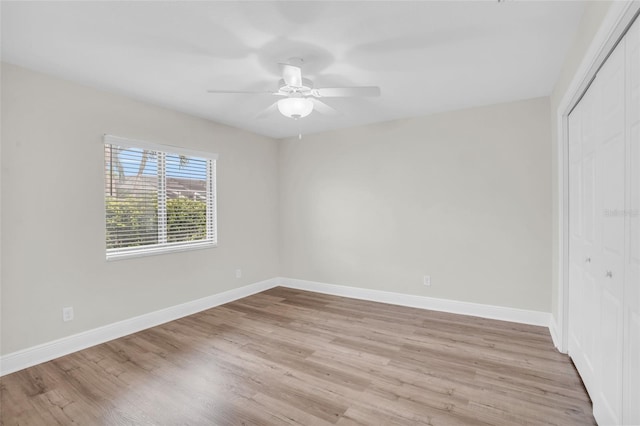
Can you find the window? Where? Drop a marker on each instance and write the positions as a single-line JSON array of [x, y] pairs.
[[157, 198]]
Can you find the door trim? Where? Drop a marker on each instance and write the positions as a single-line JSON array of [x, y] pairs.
[[618, 19]]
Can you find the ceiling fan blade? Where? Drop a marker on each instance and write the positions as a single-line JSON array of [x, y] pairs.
[[323, 108], [340, 92], [267, 111], [244, 92], [291, 75]]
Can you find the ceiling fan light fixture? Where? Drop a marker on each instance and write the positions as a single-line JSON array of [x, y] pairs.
[[295, 107]]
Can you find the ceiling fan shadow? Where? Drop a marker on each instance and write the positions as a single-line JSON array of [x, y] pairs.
[[281, 49], [168, 28], [301, 13], [376, 55], [198, 44], [287, 16]]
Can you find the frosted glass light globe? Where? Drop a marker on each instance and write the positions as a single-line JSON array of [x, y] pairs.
[[295, 107]]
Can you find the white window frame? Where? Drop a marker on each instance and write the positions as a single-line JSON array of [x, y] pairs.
[[162, 246]]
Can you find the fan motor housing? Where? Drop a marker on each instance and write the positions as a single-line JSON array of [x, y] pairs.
[[307, 85]]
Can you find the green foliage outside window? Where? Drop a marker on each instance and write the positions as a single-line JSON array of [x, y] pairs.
[[186, 220], [133, 221]]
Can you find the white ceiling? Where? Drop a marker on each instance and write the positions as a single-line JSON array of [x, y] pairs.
[[426, 57]]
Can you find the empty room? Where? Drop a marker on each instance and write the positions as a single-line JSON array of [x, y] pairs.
[[320, 212]]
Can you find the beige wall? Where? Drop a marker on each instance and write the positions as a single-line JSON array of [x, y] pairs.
[[53, 220], [462, 196], [592, 18]]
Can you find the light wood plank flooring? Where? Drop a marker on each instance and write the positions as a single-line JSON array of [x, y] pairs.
[[294, 357]]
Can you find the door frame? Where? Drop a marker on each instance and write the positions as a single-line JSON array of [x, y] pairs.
[[618, 19]]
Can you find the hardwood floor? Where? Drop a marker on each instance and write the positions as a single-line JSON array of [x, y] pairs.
[[294, 357]]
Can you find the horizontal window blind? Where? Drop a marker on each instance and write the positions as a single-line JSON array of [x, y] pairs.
[[157, 198]]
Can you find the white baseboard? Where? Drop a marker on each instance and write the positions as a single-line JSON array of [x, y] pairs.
[[444, 305], [553, 330], [47, 351]]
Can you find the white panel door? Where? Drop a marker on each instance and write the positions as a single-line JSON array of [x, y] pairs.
[[576, 257], [610, 170], [591, 235], [585, 236], [631, 376], [604, 236]]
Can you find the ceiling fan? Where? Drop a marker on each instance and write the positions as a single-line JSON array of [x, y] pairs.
[[298, 96]]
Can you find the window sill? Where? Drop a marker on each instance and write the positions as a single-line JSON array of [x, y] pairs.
[[143, 252]]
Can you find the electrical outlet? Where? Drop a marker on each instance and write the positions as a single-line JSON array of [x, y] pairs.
[[67, 314], [427, 280], [238, 273]]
